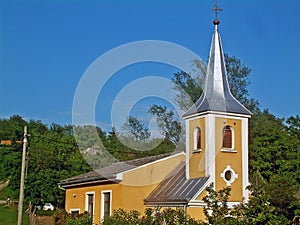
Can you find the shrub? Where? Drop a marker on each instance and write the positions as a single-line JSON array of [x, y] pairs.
[[80, 219], [61, 217], [151, 217]]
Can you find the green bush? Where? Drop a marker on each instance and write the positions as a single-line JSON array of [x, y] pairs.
[[61, 217], [167, 216], [81, 219]]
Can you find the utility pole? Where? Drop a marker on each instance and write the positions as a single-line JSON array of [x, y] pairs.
[[21, 196]]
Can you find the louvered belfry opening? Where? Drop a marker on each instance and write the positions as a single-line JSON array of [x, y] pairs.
[[227, 137]]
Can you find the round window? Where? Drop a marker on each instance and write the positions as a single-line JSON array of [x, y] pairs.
[[228, 175]]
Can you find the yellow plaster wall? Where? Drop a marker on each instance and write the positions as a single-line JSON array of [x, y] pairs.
[[201, 196], [196, 213], [133, 197], [153, 173], [228, 158], [197, 160], [139, 183]]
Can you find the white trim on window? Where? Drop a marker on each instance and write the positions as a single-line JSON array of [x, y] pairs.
[[74, 210], [87, 201], [102, 202], [197, 135], [224, 149], [229, 150], [232, 174]]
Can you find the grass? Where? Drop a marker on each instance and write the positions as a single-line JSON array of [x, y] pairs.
[[9, 213], [6, 192], [9, 216]]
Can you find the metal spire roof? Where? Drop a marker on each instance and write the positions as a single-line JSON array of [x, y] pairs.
[[216, 95]]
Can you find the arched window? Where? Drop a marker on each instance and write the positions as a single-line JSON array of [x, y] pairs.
[[197, 138], [227, 137]]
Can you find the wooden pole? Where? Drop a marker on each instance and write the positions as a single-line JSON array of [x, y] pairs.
[[21, 196]]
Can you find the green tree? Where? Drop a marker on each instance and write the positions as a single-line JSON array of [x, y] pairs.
[[238, 78], [282, 190], [259, 210], [167, 122], [10, 167], [133, 127], [54, 156], [272, 150], [274, 158], [293, 129], [12, 128], [188, 89]]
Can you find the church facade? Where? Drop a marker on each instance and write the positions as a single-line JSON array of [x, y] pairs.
[[216, 152]]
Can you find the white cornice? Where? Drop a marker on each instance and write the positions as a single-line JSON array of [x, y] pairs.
[[224, 114]]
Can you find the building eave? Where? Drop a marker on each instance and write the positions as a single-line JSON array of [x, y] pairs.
[[201, 114], [87, 182], [174, 203]]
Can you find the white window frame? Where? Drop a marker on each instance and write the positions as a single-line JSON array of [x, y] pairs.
[[232, 149], [87, 201], [234, 175], [195, 150], [74, 210], [102, 202]]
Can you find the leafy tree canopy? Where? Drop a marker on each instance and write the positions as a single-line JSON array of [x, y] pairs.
[[53, 155]]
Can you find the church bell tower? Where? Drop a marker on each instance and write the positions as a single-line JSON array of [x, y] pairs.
[[217, 129]]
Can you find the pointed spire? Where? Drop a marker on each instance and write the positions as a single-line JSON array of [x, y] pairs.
[[216, 96]]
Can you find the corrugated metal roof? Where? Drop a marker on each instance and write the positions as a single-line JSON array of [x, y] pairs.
[[109, 172], [175, 188], [216, 95]]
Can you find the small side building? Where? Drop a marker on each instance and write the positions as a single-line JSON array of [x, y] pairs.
[[121, 185]]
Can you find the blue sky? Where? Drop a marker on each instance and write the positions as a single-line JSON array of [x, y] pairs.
[[46, 47]]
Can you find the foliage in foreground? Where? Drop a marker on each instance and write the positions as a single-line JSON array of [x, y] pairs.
[[258, 211], [84, 219], [151, 217], [61, 217]]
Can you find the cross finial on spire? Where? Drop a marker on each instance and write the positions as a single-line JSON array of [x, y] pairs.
[[217, 10]]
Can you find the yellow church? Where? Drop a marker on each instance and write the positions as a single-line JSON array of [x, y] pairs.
[[216, 152]]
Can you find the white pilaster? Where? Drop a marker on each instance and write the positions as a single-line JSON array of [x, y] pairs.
[[245, 157], [210, 147], [187, 149]]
